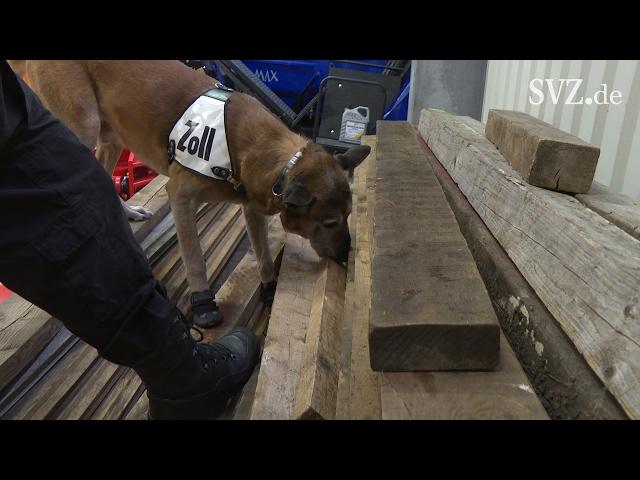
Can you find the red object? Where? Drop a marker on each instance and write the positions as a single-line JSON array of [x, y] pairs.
[[130, 175], [4, 293]]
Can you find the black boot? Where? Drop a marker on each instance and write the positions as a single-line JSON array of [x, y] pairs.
[[184, 379], [204, 310]]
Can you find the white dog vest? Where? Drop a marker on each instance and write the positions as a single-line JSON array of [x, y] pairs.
[[198, 140]]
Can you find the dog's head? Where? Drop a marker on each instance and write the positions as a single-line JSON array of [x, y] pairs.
[[317, 199]]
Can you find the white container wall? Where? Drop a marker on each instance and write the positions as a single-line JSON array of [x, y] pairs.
[[615, 128]]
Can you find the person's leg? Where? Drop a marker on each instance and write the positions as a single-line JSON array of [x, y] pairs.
[[66, 246]]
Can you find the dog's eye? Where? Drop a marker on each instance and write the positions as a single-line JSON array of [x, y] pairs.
[[330, 223]]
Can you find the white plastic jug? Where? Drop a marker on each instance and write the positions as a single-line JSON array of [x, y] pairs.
[[354, 124]]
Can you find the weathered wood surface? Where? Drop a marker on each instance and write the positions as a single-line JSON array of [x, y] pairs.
[[239, 296], [317, 390], [584, 268], [47, 393], [154, 197], [429, 307], [113, 405], [364, 383], [619, 209], [346, 335], [284, 345], [544, 155], [24, 331], [503, 394], [562, 379]]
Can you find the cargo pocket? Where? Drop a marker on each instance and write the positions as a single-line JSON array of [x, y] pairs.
[[68, 234]]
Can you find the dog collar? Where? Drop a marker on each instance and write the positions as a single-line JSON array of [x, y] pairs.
[[277, 190]]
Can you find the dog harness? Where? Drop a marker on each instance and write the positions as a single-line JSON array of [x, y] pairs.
[[198, 140]]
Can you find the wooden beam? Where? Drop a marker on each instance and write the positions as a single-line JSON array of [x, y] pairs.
[[429, 307], [619, 209], [584, 269], [565, 384], [24, 332], [503, 394], [344, 376], [90, 392], [284, 345], [114, 404], [44, 396], [544, 155], [364, 394], [317, 390]]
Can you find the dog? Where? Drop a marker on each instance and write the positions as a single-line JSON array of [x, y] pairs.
[[113, 105]]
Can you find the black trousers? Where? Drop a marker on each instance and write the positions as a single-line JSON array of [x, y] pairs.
[[65, 243]]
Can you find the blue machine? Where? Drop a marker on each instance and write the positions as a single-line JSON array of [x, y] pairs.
[[296, 82]]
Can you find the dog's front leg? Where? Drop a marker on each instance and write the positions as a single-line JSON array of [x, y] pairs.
[[257, 229], [204, 310]]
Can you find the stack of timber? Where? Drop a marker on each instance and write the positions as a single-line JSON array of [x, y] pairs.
[[49, 373], [503, 393], [580, 259], [316, 362], [299, 369]]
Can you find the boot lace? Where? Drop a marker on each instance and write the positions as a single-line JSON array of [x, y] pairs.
[[207, 351]]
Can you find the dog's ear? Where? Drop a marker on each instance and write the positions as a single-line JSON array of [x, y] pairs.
[[297, 195], [353, 157]]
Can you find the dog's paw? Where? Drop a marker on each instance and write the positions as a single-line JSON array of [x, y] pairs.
[[209, 319], [204, 310], [138, 214]]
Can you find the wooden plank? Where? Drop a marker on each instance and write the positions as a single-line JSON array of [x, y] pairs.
[[584, 269], [24, 332], [503, 394], [52, 389], [317, 390], [562, 379], [113, 406], [429, 307], [619, 209], [239, 296], [164, 235], [364, 387], [154, 197], [344, 376], [100, 381], [544, 155], [56, 350], [284, 345], [140, 409]]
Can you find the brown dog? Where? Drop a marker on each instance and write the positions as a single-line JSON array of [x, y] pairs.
[[135, 104]]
